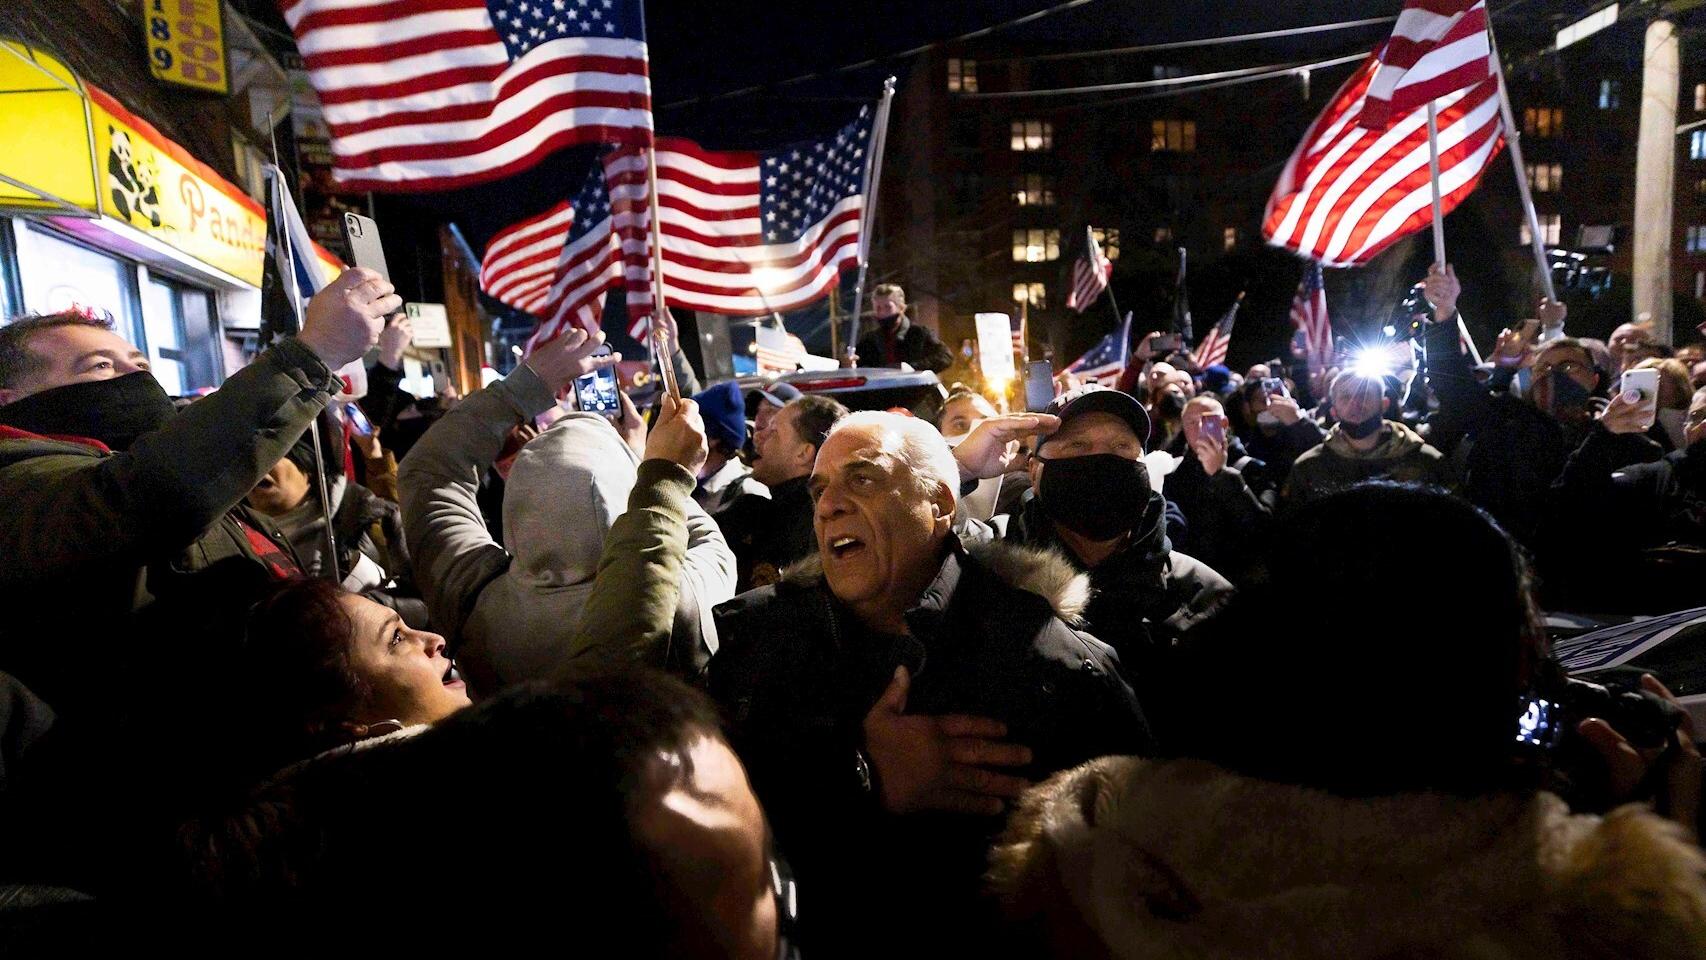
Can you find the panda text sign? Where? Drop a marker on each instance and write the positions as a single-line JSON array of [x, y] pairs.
[[154, 185]]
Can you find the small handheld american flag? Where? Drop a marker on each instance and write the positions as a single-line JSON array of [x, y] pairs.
[[1309, 314], [1105, 361], [1215, 343], [1090, 274]]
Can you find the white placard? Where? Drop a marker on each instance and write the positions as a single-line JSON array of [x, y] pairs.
[[431, 323], [995, 347]]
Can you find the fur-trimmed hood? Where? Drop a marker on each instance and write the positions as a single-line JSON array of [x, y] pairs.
[[1039, 570], [1127, 858]]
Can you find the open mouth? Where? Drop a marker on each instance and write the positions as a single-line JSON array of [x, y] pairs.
[[843, 547], [452, 678]]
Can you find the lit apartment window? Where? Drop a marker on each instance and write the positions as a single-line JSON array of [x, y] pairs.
[[1543, 121], [1610, 94], [1229, 238], [1551, 227], [1179, 136], [1036, 246], [1033, 190], [1163, 234], [1545, 177], [1697, 145], [1108, 238], [1035, 294], [1031, 136], [1700, 187], [1697, 239], [1700, 98], [1700, 284], [962, 75]]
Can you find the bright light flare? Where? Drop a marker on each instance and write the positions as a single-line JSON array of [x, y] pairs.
[[1372, 363]]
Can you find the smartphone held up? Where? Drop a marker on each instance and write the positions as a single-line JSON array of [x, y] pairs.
[[598, 391]]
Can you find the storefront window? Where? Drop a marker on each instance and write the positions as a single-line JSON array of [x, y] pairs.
[[165, 335], [57, 275]]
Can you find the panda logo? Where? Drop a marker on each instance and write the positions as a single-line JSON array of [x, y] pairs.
[[132, 183]]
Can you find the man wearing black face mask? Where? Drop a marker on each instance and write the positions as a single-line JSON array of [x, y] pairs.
[[1363, 445], [1091, 500], [118, 506]]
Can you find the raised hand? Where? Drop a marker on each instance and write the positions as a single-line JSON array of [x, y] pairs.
[[678, 435], [1442, 290], [343, 321], [394, 339], [925, 762], [990, 449], [1623, 416], [563, 359]]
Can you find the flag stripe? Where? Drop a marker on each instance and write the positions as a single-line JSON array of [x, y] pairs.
[[1437, 47]]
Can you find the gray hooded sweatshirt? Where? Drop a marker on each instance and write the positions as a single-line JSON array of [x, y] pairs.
[[512, 615]]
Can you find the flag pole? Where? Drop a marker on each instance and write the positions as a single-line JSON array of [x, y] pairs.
[[1025, 330], [868, 214], [1433, 178], [1513, 136], [661, 350]]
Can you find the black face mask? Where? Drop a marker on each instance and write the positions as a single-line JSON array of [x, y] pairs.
[[114, 411], [1100, 496], [1171, 405], [1358, 431], [1567, 394]]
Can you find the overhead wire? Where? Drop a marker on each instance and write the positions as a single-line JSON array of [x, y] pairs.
[[1199, 42]]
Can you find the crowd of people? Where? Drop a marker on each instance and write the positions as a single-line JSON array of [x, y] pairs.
[[1203, 664]]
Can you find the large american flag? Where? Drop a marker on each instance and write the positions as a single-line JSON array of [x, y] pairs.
[[1105, 361], [1309, 315], [1437, 47], [1214, 344], [1348, 192], [559, 264], [1090, 274], [743, 233], [437, 94]]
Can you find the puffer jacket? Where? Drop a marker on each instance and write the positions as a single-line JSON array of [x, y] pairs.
[[1132, 859], [1401, 454]]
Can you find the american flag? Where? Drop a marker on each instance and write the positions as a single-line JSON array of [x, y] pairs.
[[1090, 275], [1105, 361], [1214, 344], [1309, 314], [559, 264], [1016, 323], [438, 94], [777, 351], [1348, 192], [1437, 47], [743, 233]]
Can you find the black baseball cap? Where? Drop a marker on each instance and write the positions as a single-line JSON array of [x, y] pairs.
[[1095, 398]]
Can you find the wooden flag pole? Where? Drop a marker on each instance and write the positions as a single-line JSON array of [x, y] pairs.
[[1513, 137], [868, 212], [1433, 178], [661, 349]]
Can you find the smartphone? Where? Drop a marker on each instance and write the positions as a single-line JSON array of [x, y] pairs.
[[1643, 386], [1162, 342], [1274, 386], [440, 377], [1215, 428], [357, 420], [1039, 386], [1537, 725], [597, 391], [362, 235]]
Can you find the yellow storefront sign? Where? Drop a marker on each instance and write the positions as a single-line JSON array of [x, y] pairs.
[[155, 186], [186, 44]]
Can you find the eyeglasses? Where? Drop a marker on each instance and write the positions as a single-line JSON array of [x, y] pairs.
[[1568, 368]]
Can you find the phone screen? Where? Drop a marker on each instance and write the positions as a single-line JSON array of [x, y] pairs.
[[1214, 428], [1164, 341], [1538, 724], [1039, 386], [358, 420], [597, 391], [1274, 386]]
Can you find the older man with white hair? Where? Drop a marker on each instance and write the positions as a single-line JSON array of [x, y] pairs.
[[894, 694]]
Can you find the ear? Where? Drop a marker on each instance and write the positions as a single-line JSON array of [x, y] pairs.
[[943, 502], [8, 394]]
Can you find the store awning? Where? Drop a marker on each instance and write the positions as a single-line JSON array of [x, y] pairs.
[[68, 149]]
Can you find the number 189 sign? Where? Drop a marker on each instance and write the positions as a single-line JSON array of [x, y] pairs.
[[186, 43]]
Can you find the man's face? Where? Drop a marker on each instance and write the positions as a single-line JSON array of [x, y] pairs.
[[1695, 431], [1083, 435], [1258, 372], [1573, 362], [75, 353], [782, 455], [879, 528], [281, 490], [1358, 399], [888, 305], [1198, 410], [1630, 344], [963, 413], [706, 832]]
